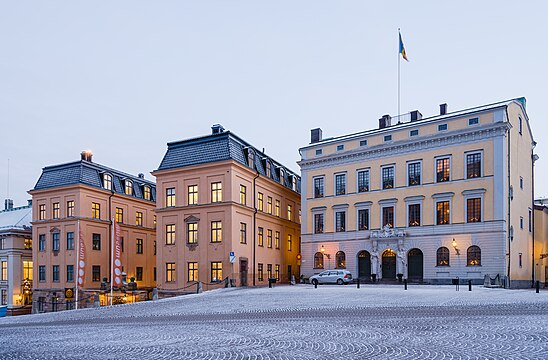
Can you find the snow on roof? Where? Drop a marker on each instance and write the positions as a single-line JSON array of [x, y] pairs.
[[16, 219]]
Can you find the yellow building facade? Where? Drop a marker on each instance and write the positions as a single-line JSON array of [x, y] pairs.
[[425, 199]]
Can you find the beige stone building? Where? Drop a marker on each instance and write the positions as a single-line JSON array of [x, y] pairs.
[[428, 199], [16, 258], [217, 196], [83, 197], [541, 241]]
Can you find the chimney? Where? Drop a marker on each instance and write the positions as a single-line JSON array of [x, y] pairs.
[[416, 115], [217, 129], [8, 204], [385, 121], [315, 135], [86, 155], [141, 176], [29, 202], [443, 109]]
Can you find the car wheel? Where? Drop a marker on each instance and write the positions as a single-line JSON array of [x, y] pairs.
[[340, 282], [314, 282]]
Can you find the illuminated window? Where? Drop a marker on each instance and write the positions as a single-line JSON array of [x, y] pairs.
[[216, 271], [340, 221], [340, 260], [95, 210], [28, 244], [473, 210], [260, 201], [146, 192], [96, 273], [318, 223], [269, 238], [128, 189], [363, 219], [388, 216], [289, 211], [363, 181], [277, 272], [277, 208], [414, 174], [442, 256], [277, 240], [216, 231], [107, 181], [192, 194], [414, 215], [442, 213], [42, 212], [192, 271], [269, 205], [473, 256], [170, 272], [70, 208], [473, 165], [289, 242], [170, 234], [260, 272], [4, 271], [242, 195], [340, 184], [138, 218], [119, 215], [318, 260], [170, 197], [192, 233], [243, 233], [216, 192], [269, 271], [442, 170], [388, 177], [96, 242], [154, 221], [27, 270], [318, 187], [56, 210], [260, 237]]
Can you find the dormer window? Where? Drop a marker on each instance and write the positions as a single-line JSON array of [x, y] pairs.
[[267, 168], [146, 192], [107, 181], [294, 185], [250, 158], [128, 187], [282, 176]]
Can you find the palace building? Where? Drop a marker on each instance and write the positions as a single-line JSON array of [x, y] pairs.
[[80, 199], [424, 199], [225, 211]]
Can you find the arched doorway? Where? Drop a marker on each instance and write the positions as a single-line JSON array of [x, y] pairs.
[[364, 265], [414, 264], [389, 265]]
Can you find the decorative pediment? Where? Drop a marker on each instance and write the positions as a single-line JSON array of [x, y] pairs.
[[55, 230], [192, 219], [387, 232]]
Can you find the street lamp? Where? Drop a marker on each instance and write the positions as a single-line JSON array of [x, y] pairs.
[[454, 244], [328, 256]]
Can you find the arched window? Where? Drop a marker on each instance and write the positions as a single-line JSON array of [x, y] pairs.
[[318, 260], [128, 190], [473, 256], [340, 260], [442, 256], [107, 181]]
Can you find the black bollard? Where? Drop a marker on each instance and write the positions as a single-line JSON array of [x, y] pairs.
[[469, 285], [537, 285], [405, 284], [269, 283], [315, 284], [358, 283]]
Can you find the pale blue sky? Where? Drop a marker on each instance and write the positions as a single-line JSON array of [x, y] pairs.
[[124, 78]]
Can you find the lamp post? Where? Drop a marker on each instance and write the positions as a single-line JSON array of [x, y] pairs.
[[328, 256]]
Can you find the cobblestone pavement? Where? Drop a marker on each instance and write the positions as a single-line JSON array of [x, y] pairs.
[[305, 323]]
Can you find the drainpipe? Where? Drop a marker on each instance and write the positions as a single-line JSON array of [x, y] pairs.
[[533, 159], [254, 225], [509, 202]]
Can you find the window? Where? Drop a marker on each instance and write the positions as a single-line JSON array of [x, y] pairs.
[[154, 274], [363, 181], [28, 244], [260, 201], [216, 271], [442, 213], [139, 273], [530, 222], [42, 212], [95, 210], [139, 246], [56, 210], [473, 256], [154, 247], [138, 218], [107, 181], [520, 260], [42, 242], [55, 241], [96, 241], [242, 195], [216, 231], [318, 187], [473, 165], [388, 216], [27, 270], [289, 211], [318, 151], [170, 234], [414, 215], [192, 271], [340, 184], [318, 260], [42, 273], [70, 208], [520, 126], [363, 142], [473, 121], [277, 272], [70, 273], [154, 221], [388, 177], [216, 192], [521, 183], [442, 256], [146, 192], [170, 197], [128, 189], [192, 194], [414, 132], [243, 233], [414, 174], [277, 240], [4, 271], [387, 138], [269, 205], [473, 210], [269, 238], [192, 233], [318, 223], [363, 219], [260, 237], [442, 170], [268, 169], [340, 221], [521, 222], [289, 242], [170, 272], [442, 127], [119, 215], [340, 260], [277, 208], [122, 243], [340, 147], [96, 273], [260, 272]]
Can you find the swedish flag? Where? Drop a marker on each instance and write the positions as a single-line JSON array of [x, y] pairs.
[[402, 50]]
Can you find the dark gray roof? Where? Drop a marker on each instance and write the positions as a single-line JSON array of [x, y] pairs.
[[90, 173], [221, 147]]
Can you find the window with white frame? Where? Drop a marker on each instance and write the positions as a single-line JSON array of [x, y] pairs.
[[414, 173], [473, 165], [443, 169], [363, 180], [387, 177], [340, 184], [318, 187]]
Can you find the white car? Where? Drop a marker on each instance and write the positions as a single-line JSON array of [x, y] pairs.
[[332, 277]]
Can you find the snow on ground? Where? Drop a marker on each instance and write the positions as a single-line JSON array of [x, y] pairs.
[[288, 322]]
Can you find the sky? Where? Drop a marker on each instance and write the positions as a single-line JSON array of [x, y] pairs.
[[125, 78]]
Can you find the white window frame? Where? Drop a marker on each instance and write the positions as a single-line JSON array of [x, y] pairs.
[[387, 203], [466, 153], [474, 118], [315, 211], [446, 127], [441, 197], [335, 183], [414, 200], [387, 166], [441, 157], [357, 183], [336, 209], [410, 132], [366, 205], [314, 186], [472, 194], [407, 163]]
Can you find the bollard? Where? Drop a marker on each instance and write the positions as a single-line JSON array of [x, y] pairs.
[[269, 284], [358, 283], [315, 284], [469, 285], [405, 284], [537, 285]]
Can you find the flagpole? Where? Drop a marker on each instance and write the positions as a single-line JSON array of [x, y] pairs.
[[77, 262], [399, 60], [112, 262]]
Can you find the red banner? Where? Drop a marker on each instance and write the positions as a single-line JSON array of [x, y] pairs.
[[81, 257], [117, 256]]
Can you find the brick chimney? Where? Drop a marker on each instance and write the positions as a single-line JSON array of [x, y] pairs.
[[416, 115], [315, 135], [86, 155], [385, 121]]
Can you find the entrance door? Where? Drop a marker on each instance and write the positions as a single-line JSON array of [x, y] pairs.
[[243, 272], [389, 265], [414, 261], [364, 265]]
